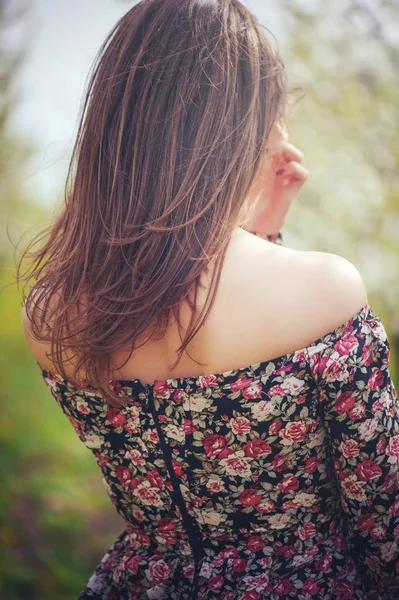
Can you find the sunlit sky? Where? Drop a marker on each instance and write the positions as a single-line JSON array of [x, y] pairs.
[[62, 39]]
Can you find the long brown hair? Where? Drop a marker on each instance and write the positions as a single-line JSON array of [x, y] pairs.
[[180, 103]]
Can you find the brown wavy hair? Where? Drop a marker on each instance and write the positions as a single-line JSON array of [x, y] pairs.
[[180, 103]]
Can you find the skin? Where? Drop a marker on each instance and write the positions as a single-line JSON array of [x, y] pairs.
[[256, 316], [279, 179]]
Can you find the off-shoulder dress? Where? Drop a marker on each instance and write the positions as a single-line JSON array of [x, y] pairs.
[[277, 480]]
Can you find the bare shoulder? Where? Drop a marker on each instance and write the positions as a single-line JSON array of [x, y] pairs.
[[340, 280], [319, 291], [338, 289], [289, 298]]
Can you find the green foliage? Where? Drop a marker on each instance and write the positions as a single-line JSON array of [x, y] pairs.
[[346, 56], [56, 520]]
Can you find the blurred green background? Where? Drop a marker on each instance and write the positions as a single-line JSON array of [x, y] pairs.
[[56, 519]]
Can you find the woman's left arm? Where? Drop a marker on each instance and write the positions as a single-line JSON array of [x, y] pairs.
[[278, 181]]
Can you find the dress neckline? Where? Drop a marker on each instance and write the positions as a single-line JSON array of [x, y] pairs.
[[253, 369]]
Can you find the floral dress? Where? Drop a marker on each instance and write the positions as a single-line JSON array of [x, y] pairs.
[[276, 480]]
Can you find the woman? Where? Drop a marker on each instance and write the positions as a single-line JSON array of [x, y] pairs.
[[278, 479]]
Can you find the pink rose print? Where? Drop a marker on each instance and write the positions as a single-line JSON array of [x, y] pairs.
[[334, 369], [239, 564], [277, 390], [215, 486], [252, 391], [389, 550], [152, 436], [346, 345], [288, 483], [266, 506], [345, 402], [378, 533], [370, 354], [367, 429], [215, 583], [241, 384], [289, 505], [177, 467], [240, 425], [373, 563], [282, 462], [189, 427], [376, 380], [159, 571], [132, 564], [311, 464], [381, 444], [295, 432], [275, 427], [205, 381], [393, 449], [343, 590], [365, 522], [349, 448], [307, 531], [358, 411], [77, 425], [162, 389], [83, 407], [353, 488], [310, 587], [214, 444], [237, 464], [166, 532], [283, 587], [257, 582], [324, 564], [197, 501], [148, 495], [368, 470], [394, 509], [255, 543], [155, 478], [136, 457], [188, 571], [228, 553], [286, 551], [266, 562], [124, 476], [250, 497], [377, 406], [102, 460], [251, 596], [391, 483], [115, 417], [141, 538], [178, 395], [255, 448]]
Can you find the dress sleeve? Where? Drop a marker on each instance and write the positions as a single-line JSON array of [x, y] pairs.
[[360, 409], [275, 238]]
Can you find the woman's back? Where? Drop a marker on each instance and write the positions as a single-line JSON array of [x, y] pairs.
[[279, 479], [276, 479], [270, 300]]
